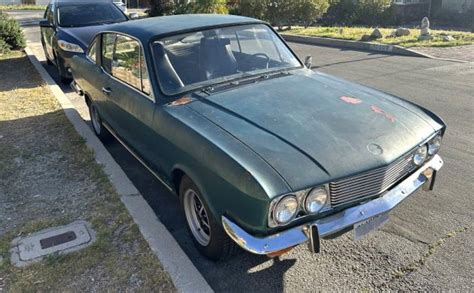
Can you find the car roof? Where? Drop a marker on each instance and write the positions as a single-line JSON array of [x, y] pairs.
[[149, 28], [59, 2]]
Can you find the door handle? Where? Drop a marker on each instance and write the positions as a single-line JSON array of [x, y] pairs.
[[106, 91]]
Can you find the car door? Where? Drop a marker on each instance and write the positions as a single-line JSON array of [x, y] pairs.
[[47, 33], [130, 103], [99, 83], [89, 74]]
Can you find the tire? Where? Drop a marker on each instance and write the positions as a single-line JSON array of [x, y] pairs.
[[217, 245], [61, 70], [102, 133]]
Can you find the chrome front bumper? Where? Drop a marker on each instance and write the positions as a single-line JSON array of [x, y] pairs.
[[423, 177]]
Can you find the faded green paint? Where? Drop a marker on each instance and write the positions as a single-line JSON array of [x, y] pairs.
[[245, 144]]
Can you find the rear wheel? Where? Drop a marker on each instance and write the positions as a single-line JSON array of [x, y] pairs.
[[97, 125], [208, 235]]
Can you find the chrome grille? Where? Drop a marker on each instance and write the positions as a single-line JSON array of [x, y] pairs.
[[370, 183]]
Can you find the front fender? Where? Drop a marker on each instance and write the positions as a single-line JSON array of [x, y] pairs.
[[232, 178]]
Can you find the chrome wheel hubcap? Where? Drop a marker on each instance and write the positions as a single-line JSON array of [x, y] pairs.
[[197, 217], [95, 119]]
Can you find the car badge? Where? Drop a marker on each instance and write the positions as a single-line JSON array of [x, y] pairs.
[[375, 148]]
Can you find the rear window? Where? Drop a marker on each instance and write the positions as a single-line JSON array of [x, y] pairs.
[[75, 15]]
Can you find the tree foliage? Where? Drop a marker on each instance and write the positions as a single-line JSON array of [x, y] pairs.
[[306, 12], [162, 7], [253, 8], [203, 6], [284, 12], [361, 12]]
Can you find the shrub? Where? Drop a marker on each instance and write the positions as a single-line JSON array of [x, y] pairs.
[[209, 6], [284, 12], [161, 7], [306, 12], [11, 33], [372, 12], [280, 12], [4, 47], [362, 12], [254, 8]]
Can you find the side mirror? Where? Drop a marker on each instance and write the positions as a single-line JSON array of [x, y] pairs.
[[133, 15], [308, 61], [44, 23]]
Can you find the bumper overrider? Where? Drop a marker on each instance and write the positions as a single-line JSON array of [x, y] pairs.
[[312, 232]]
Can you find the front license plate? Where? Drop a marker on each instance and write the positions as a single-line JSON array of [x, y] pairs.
[[363, 228]]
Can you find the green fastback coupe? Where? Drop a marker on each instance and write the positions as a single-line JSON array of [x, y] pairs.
[[262, 151]]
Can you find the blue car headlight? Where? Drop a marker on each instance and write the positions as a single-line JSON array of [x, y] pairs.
[[70, 47]]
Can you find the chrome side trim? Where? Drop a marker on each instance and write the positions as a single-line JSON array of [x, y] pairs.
[[76, 88], [335, 223], [136, 155]]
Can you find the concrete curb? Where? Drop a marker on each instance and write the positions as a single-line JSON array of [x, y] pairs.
[[182, 271], [354, 45]]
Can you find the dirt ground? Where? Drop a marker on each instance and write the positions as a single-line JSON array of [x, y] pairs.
[[48, 177]]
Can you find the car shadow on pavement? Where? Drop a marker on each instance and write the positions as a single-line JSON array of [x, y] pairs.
[[350, 61], [244, 271]]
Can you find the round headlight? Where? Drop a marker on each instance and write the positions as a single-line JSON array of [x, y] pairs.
[[434, 145], [420, 155], [315, 200], [285, 210]]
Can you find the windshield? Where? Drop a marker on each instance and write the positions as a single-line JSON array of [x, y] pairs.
[[198, 59], [89, 14]]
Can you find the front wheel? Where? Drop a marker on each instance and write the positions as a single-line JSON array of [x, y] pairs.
[[65, 79], [208, 235]]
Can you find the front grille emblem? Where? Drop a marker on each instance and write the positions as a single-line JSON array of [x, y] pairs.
[[375, 149]]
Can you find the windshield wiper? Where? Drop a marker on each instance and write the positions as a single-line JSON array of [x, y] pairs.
[[242, 80]]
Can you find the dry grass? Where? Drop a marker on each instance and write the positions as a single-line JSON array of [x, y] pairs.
[[49, 177], [356, 33], [22, 7]]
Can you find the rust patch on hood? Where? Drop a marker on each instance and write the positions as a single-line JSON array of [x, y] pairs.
[[181, 101], [350, 100], [378, 110]]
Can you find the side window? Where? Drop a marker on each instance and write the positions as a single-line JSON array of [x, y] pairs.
[[128, 64], [92, 53], [108, 43]]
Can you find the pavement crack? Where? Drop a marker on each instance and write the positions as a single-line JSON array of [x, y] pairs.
[[404, 236], [432, 248]]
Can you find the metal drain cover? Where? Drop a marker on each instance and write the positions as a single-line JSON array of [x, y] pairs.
[[62, 240]]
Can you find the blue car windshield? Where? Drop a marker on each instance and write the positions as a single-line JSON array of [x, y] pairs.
[[75, 15], [200, 59]]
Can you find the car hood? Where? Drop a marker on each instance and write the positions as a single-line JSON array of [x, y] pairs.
[[83, 34], [313, 128]]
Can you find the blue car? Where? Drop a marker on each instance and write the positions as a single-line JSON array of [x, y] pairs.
[[69, 26]]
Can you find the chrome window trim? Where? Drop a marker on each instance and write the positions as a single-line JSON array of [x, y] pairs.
[[94, 42]]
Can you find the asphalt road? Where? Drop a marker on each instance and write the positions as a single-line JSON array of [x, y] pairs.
[[429, 242]]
